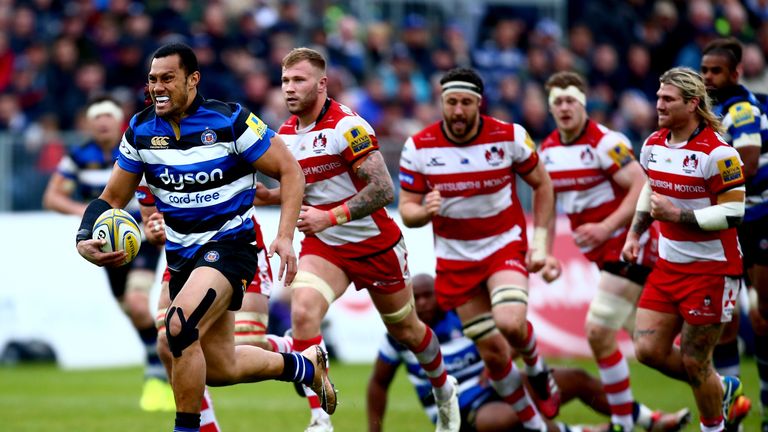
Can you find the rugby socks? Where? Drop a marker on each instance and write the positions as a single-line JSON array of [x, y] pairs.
[[154, 367], [280, 344], [187, 422], [530, 353], [761, 358], [297, 368], [726, 358], [208, 421], [509, 385], [712, 425], [300, 345], [250, 328], [431, 360], [614, 373]]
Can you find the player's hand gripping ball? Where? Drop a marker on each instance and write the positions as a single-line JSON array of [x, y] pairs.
[[121, 232]]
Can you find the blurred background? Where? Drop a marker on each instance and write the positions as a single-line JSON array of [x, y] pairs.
[[385, 59]]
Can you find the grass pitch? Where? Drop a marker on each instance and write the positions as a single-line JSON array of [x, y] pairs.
[[42, 398]]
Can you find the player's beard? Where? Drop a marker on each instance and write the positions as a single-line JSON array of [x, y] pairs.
[[305, 104], [461, 131]]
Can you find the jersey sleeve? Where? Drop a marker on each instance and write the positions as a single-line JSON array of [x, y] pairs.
[[614, 152], [645, 154], [723, 170], [355, 138], [744, 120], [523, 151], [67, 167], [388, 352], [412, 178], [129, 158], [252, 136]]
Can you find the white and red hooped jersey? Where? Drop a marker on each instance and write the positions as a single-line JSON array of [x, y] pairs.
[[326, 151], [692, 175], [582, 176], [480, 211]]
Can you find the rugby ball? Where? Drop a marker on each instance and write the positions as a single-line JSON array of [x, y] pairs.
[[121, 232]]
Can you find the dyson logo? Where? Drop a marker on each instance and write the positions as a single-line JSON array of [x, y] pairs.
[[179, 180]]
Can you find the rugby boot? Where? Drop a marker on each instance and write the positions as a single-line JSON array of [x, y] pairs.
[[321, 385], [546, 394], [448, 411]]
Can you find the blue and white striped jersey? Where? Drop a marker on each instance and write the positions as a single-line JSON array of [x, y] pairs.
[[200, 172], [89, 169], [746, 123], [462, 360]]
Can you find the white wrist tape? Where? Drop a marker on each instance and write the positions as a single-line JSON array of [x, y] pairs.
[[644, 200], [716, 217], [539, 243]]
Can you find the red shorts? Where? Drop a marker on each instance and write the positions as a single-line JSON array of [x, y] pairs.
[[386, 272], [262, 280], [699, 299], [457, 282]]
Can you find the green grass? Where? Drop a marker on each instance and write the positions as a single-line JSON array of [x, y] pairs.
[[46, 399]]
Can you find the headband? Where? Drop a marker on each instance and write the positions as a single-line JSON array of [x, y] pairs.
[[104, 107], [461, 86], [571, 91]]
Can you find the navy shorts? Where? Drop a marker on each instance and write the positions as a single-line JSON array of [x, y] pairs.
[[236, 260], [147, 259], [753, 237]]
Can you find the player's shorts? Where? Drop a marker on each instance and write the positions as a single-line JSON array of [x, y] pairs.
[[146, 259], [236, 260], [262, 281], [753, 237], [457, 282], [385, 272], [469, 410], [609, 253], [699, 299], [631, 271]]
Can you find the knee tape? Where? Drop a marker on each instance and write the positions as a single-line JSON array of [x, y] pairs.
[[305, 279], [509, 294], [396, 317], [251, 328], [609, 310], [480, 327], [139, 281], [189, 332], [160, 319]]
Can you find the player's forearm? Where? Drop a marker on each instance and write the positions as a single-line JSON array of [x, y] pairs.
[[641, 222], [543, 204], [414, 215], [267, 197], [622, 216], [291, 194], [378, 191], [63, 204]]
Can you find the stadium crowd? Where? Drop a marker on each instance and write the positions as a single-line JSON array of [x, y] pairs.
[[56, 55]]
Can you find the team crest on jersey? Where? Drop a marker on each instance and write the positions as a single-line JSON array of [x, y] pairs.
[[730, 170], [690, 163], [587, 156], [158, 142], [318, 145], [358, 139], [208, 137], [620, 154], [211, 256], [494, 156]]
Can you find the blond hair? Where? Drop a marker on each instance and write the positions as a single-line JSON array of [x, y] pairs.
[[691, 85], [298, 55]]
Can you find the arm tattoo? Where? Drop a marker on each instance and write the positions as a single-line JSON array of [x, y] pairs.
[[641, 222], [378, 190], [687, 217], [644, 332]]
